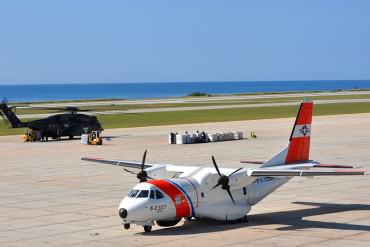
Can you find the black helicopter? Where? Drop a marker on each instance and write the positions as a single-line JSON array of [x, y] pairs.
[[67, 124]]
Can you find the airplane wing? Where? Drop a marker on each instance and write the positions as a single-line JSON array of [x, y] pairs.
[[124, 163], [170, 170], [299, 173]]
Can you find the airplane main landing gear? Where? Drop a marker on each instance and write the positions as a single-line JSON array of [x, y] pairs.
[[238, 221], [147, 228], [126, 226]]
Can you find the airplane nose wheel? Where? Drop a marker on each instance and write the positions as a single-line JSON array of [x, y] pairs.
[[126, 226], [147, 228]]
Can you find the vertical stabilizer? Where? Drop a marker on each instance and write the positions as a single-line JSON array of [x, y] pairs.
[[298, 149], [299, 142]]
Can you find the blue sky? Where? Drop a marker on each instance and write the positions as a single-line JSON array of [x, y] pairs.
[[66, 41]]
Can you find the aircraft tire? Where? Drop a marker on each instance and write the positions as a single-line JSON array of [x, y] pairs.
[[147, 228], [126, 226]]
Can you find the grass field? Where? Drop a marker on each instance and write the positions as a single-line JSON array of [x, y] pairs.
[[194, 104], [219, 115]]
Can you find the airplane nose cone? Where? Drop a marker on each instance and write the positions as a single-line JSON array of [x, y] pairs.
[[122, 213]]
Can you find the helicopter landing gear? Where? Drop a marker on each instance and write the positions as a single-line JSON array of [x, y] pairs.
[[126, 226], [147, 228]]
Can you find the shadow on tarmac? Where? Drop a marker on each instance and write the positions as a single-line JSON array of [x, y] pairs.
[[294, 220]]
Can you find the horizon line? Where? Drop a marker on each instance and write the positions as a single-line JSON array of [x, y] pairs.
[[148, 82]]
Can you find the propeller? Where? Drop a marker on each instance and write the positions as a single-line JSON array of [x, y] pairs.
[[142, 175], [224, 180]]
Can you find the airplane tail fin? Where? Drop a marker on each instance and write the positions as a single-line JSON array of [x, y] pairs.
[[7, 113], [298, 149]]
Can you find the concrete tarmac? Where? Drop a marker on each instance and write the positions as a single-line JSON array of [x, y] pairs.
[[49, 197]]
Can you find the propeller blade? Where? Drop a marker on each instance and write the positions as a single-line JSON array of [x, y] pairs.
[[215, 186], [231, 196], [215, 165], [143, 162], [235, 171], [126, 170]]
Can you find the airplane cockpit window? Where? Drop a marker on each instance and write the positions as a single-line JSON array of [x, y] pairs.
[[159, 195], [152, 196], [133, 193], [143, 194]]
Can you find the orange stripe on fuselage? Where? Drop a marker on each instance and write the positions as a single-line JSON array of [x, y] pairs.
[[178, 198]]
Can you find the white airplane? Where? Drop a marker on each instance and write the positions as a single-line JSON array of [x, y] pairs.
[[168, 193]]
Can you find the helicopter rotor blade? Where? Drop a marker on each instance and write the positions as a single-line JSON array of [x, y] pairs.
[[63, 109]]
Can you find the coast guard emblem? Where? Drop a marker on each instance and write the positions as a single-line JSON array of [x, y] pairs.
[[305, 130], [178, 199]]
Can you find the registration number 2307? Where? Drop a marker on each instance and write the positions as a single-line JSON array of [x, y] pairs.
[[158, 208]]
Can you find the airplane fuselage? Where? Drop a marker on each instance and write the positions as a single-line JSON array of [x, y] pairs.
[[193, 196]]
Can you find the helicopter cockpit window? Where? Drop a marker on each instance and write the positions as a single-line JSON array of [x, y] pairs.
[[133, 193], [159, 195], [143, 194]]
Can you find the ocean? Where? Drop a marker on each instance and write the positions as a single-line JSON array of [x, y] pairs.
[[49, 92]]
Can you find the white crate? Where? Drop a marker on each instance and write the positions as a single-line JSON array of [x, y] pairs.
[[84, 139], [180, 139], [240, 135], [212, 137], [221, 136]]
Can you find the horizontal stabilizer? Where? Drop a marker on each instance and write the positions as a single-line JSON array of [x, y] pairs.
[[332, 166], [252, 162]]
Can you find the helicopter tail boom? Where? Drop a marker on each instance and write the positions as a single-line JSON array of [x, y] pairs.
[[7, 112]]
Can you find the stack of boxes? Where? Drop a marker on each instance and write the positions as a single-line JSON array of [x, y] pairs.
[[202, 137]]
